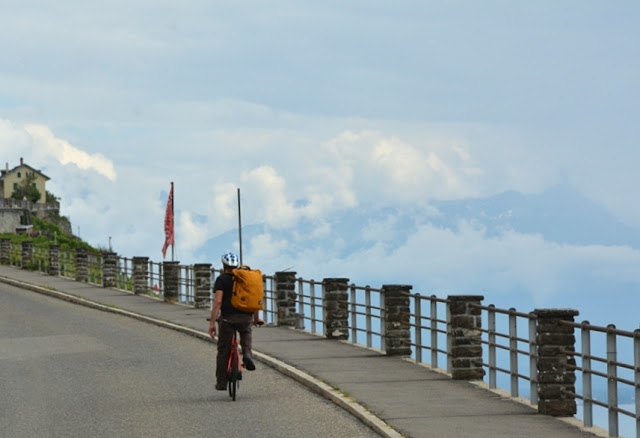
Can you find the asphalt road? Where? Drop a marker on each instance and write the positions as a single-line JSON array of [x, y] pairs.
[[71, 371]]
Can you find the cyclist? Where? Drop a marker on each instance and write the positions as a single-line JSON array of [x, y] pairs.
[[230, 319]]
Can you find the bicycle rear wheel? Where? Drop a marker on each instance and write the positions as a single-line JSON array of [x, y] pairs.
[[233, 377]]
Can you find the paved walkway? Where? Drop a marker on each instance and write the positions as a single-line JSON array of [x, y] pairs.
[[394, 396]]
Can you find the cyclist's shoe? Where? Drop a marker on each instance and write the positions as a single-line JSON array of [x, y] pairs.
[[221, 386], [248, 363]]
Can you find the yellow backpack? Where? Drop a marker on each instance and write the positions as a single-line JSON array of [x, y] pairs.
[[248, 289]]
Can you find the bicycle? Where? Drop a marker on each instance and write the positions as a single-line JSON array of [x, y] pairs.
[[234, 363]]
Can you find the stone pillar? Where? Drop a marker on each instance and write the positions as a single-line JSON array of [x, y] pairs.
[[82, 265], [140, 275], [54, 260], [286, 298], [171, 274], [109, 268], [27, 253], [555, 379], [5, 251], [336, 310], [397, 328], [202, 273], [464, 337]]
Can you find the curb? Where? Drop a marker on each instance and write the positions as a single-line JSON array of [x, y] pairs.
[[314, 384]]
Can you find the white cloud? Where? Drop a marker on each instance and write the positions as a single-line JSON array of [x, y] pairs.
[[223, 205], [191, 234], [267, 200], [388, 170], [265, 247], [384, 231], [46, 143], [409, 171]]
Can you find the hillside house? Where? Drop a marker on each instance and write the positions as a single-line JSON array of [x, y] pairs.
[[10, 179]]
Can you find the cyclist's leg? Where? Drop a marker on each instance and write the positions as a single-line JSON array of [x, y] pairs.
[[225, 333], [246, 337]]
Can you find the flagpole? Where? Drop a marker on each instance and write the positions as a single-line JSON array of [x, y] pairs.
[[240, 225]]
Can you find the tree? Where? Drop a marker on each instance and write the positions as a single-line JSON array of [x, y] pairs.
[[27, 190], [51, 198]]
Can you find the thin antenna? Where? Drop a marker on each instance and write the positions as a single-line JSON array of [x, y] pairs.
[[240, 225]]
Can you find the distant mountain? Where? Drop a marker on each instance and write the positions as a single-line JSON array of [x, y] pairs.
[[560, 214]]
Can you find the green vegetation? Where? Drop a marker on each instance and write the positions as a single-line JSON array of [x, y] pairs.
[[46, 233], [27, 189], [51, 198]]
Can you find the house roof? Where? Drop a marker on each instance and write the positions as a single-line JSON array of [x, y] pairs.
[[15, 169]]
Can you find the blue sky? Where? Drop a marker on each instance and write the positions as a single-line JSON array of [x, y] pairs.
[[321, 109]]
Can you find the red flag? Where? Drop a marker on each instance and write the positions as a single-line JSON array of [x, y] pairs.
[[168, 224]]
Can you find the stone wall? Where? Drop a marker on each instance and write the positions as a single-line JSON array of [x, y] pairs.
[[464, 337], [12, 210], [9, 220], [336, 309]]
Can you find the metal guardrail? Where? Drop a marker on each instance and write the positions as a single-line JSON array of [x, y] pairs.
[[510, 353], [508, 336], [520, 351], [614, 372]]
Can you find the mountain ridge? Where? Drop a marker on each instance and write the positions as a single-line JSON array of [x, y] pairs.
[[559, 214]]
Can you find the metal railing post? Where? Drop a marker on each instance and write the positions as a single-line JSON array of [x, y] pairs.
[[301, 296], [149, 275], [267, 289], [367, 303], [585, 340], [314, 306], [418, 327], [383, 316], [354, 313], [161, 279], [636, 372], [449, 340], [533, 361], [434, 332], [513, 352], [612, 385], [491, 321]]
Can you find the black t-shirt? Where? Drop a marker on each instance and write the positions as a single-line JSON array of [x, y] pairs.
[[224, 282]]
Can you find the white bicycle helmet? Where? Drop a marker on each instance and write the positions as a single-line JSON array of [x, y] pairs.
[[230, 259]]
